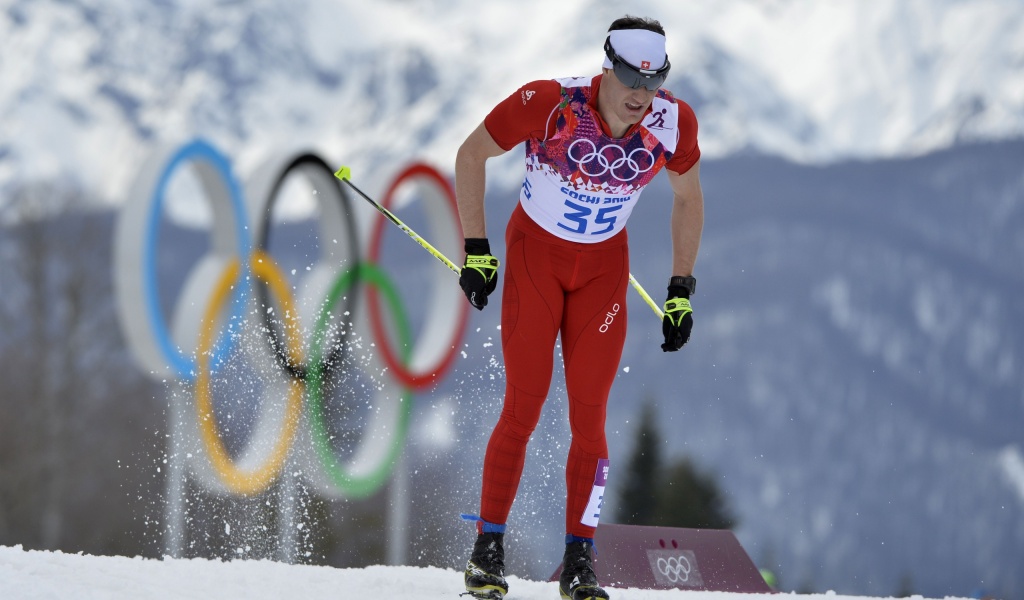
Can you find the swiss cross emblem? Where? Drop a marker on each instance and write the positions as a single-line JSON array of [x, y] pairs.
[[645, 64]]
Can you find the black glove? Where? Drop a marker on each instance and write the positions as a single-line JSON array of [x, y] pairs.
[[479, 275], [678, 320]]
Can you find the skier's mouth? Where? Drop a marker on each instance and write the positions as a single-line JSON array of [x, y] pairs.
[[634, 107]]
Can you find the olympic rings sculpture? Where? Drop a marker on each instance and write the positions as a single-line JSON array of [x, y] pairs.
[[238, 285], [611, 166]]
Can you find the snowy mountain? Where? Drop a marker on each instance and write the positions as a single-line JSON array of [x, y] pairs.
[[88, 86]]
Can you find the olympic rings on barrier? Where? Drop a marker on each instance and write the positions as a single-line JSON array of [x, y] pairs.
[[675, 568], [328, 290]]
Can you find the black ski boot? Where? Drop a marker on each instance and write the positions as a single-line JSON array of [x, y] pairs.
[[578, 581], [485, 571]]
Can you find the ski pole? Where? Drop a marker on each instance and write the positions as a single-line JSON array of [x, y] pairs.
[[345, 174], [643, 294]]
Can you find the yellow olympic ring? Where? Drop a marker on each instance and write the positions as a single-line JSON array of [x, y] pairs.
[[251, 480]]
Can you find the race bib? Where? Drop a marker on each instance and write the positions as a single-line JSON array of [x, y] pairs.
[[593, 512]]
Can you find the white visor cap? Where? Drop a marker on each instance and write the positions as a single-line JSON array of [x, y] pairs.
[[641, 48]]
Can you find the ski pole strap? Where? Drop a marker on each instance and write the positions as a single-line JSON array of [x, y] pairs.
[[484, 264], [676, 309], [487, 527]]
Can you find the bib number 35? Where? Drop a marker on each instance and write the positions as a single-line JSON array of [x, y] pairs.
[[581, 218]]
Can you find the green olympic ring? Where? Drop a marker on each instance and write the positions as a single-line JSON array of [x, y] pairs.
[[354, 482]]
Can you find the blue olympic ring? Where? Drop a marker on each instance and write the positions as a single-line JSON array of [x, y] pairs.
[[202, 151]]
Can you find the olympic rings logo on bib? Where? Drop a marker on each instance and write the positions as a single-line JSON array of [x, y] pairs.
[[610, 159], [239, 285]]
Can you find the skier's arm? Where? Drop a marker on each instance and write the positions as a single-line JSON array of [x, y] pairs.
[[470, 180], [687, 219]]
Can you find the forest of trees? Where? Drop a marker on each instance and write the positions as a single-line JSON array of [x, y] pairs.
[[67, 405]]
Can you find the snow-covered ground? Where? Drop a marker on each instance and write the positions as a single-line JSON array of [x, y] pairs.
[[28, 575]]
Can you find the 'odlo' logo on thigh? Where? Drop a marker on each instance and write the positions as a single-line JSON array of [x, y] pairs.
[[609, 318]]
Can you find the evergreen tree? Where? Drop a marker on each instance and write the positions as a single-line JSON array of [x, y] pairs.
[[638, 500], [691, 498], [906, 587], [677, 496]]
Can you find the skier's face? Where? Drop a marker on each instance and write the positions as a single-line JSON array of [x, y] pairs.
[[622, 106]]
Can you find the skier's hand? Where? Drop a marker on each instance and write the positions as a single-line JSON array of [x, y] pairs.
[[678, 320], [479, 275]]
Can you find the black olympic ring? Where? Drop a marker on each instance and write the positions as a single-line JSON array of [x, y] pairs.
[[610, 167], [321, 176]]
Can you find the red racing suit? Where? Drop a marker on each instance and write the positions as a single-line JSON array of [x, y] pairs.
[[567, 270]]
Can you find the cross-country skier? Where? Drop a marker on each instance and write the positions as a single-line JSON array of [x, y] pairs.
[[592, 145]]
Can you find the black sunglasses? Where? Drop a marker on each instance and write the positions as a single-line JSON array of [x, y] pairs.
[[632, 77]]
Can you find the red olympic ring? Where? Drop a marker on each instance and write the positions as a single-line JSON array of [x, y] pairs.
[[409, 375]]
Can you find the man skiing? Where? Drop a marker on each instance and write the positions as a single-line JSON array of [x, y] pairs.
[[592, 145]]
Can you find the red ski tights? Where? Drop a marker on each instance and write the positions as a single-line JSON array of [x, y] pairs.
[[554, 286]]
